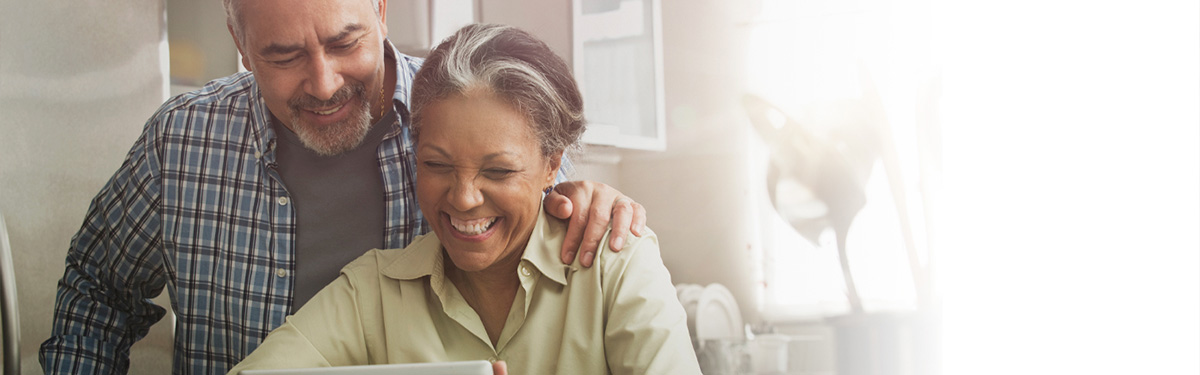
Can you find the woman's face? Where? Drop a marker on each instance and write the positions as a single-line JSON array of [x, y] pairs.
[[480, 175]]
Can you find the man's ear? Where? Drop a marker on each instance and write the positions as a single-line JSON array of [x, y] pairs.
[[241, 51], [383, 16]]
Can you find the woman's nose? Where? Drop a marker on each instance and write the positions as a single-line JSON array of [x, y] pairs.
[[465, 194], [324, 79]]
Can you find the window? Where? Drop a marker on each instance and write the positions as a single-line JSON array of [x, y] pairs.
[[859, 77]]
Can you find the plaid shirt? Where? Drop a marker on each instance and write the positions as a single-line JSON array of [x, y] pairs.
[[197, 208]]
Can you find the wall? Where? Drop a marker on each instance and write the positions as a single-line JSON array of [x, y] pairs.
[[696, 192], [77, 81], [200, 47], [548, 19]]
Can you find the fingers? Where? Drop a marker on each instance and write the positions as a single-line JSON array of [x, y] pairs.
[[499, 368], [639, 219], [622, 217], [589, 208], [561, 203], [557, 204], [599, 214], [595, 225], [571, 241]]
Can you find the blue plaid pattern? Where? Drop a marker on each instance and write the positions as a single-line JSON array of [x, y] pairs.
[[198, 209]]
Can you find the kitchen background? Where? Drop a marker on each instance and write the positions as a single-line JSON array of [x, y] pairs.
[[1030, 170]]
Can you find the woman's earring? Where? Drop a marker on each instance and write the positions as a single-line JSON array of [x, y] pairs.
[[547, 189]]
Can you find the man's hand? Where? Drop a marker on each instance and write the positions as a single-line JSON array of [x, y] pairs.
[[590, 206]]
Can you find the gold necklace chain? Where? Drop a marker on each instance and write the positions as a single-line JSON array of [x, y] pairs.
[[383, 99]]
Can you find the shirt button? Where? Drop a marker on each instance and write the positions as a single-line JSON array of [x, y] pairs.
[[258, 154], [525, 270], [283, 201], [493, 359], [281, 272]]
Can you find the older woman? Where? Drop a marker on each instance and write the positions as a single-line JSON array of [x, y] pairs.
[[493, 111]]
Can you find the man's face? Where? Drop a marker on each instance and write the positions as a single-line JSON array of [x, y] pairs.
[[320, 66]]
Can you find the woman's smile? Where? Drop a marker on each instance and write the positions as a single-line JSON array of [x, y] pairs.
[[473, 229]]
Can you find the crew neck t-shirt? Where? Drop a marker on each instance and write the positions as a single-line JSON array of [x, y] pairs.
[[339, 203]]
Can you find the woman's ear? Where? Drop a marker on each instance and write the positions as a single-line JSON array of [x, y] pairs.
[[553, 163]]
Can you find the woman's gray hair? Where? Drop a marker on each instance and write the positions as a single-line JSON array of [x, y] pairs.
[[513, 64], [232, 17]]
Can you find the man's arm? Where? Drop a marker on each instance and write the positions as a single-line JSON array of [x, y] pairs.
[[113, 268], [591, 207], [330, 330]]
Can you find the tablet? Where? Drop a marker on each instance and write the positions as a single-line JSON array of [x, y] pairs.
[[436, 368]]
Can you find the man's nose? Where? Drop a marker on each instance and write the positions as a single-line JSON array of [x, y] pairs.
[[324, 79]]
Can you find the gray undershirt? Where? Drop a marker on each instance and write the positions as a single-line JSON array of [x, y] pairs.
[[339, 205]]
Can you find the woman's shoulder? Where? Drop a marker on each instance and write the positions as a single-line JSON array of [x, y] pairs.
[[414, 259], [554, 232], [369, 260], [635, 249]]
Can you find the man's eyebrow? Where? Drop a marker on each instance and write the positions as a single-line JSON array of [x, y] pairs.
[[283, 49], [280, 49], [349, 29]]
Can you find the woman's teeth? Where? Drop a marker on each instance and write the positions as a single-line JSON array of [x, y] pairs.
[[328, 112], [472, 227]]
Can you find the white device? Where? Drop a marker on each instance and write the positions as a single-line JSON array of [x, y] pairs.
[[434, 368]]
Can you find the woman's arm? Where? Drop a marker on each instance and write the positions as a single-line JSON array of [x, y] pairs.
[[326, 332], [646, 330]]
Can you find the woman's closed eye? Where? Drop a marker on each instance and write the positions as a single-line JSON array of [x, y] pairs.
[[438, 167], [498, 173]]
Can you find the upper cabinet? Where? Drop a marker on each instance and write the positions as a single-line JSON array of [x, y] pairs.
[[614, 47], [416, 26], [617, 57]]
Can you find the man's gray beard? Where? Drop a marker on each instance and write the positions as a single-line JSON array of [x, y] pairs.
[[337, 138]]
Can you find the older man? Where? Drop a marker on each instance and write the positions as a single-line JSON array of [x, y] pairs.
[[247, 196]]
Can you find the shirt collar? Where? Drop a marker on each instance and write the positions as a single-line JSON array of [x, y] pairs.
[[406, 69], [260, 120], [424, 257], [545, 245]]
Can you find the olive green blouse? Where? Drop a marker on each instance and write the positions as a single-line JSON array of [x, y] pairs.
[[620, 316]]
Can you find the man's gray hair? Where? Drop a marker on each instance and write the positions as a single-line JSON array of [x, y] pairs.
[[513, 64], [232, 17]]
